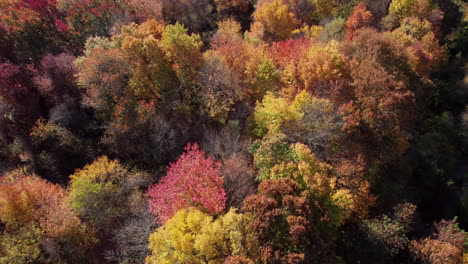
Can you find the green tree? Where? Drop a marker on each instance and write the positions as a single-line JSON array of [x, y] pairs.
[[99, 192], [183, 52]]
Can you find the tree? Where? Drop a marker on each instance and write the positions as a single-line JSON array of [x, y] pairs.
[[230, 6], [287, 52], [239, 180], [287, 55], [240, 9], [192, 236], [323, 72], [250, 64], [229, 43], [306, 119], [22, 246], [183, 52], [6, 3], [335, 29], [103, 75], [382, 239], [147, 9], [419, 37], [228, 30], [303, 10], [361, 17], [268, 152], [388, 234], [131, 238], [55, 80], [261, 76], [37, 27], [99, 192], [274, 20], [419, 8], [58, 152], [384, 91], [6, 44], [196, 15], [316, 177], [352, 174], [314, 121], [275, 159], [445, 245], [289, 222], [270, 114], [26, 199], [22, 99], [223, 5], [141, 136], [152, 73], [219, 90], [192, 180], [39, 222], [94, 18], [224, 143]]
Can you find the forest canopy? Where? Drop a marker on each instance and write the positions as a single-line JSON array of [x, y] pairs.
[[233, 131]]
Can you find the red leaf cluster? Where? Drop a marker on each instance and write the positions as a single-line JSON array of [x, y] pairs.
[[192, 181]]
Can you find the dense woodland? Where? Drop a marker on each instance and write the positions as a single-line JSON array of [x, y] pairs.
[[233, 131]]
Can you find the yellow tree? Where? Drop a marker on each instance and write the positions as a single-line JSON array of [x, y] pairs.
[[418, 8], [192, 236], [274, 20], [305, 119], [152, 74], [323, 71]]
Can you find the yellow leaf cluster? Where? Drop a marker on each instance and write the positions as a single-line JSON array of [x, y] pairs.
[[323, 63], [404, 8], [277, 21], [316, 177], [151, 70], [192, 236], [101, 170], [299, 119]]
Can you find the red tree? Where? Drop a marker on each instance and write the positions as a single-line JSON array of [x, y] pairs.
[[17, 92], [361, 17], [385, 93], [289, 51], [36, 26], [191, 181]]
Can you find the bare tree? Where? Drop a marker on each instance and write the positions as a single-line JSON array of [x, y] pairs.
[[239, 180], [225, 142]]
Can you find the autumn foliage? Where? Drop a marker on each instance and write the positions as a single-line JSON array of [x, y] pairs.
[[328, 131], [30, 204], [192, 181], [361, 17]]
